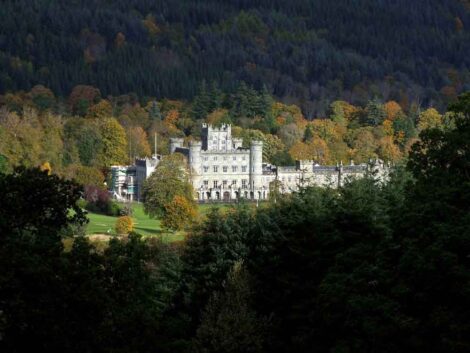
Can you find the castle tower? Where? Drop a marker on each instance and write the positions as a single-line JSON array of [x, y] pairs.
[[195, 162], [256, 164], [175, 142], [217, 138]]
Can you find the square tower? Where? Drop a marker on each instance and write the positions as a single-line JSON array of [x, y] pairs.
[[217, 139]]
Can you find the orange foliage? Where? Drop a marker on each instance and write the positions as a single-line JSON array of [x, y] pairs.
[[387, 126], [170, 119], [392, 108]]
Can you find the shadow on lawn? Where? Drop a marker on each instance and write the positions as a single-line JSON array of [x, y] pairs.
[[152, 231]]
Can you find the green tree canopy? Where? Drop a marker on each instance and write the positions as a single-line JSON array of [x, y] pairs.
[[170, 179]]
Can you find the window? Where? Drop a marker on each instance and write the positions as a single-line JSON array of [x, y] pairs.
[[225, 158], [206, 183], [234, 158], [234, 182], [215, 184], [216, 169], [243, 158], [244, 183], [225, 169], [244, 169], [224, 184], [206, 158], [215, 158], [206, 169], [234, 168]]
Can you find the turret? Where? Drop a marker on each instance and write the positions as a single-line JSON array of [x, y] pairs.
[[175, 142], [256, 163], [195, 157]]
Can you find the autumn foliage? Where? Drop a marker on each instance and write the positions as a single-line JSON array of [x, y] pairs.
[[124, 225], [179, 214]]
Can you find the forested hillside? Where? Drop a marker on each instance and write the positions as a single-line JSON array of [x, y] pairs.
[[305, 52]]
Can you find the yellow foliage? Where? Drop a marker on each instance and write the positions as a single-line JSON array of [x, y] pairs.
[[388, 151], [428, 119], [124, 225], [46, 167], [179, 213], [320, 151], [387, 126], [316, 150], [300, 151]]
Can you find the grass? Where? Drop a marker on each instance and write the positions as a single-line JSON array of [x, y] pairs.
[[148, 227]]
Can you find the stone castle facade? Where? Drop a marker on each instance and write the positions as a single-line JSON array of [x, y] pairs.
[[221, 169]]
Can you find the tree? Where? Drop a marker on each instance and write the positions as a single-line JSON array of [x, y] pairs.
[[42, 97], [387, 150], [375, 113], [84, 175], [124, 225], [430, 118], [100, 110], [3, 163], [211, 251], [301, 151], [83, 97], [170, 179], [179, 214], [138, 142], [113, 144], [392, 110], [308, 134], [154, 112], [229, 323], [29, 195]]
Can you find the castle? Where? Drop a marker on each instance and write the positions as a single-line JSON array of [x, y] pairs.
[[221, 169]]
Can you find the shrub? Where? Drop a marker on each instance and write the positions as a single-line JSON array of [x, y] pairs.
[[124, 225], [180, 213], [99, 201]]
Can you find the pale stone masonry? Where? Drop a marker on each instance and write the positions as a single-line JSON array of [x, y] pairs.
[[221, 169]]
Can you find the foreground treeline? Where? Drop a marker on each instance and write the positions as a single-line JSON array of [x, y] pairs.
[[365, 268], [83, 135], [306, 52]]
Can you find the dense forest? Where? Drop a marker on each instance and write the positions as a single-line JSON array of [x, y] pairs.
[[82, 135], [368, 267], [305, 52]]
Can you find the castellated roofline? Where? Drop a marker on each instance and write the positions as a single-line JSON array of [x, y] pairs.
[[223, 127], [256, 143], [195, 143]]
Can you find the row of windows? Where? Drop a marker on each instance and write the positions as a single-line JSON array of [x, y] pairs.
[[214, 158], [215, 169], [234, 183]]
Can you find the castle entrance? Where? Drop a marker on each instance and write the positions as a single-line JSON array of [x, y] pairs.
[[226, 196]]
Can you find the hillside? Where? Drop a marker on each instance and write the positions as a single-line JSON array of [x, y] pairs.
[[305, 52]]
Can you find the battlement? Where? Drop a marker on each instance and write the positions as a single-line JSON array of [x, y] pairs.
[[221, 128]]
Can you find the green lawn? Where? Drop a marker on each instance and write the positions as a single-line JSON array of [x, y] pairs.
[[101, 224]]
